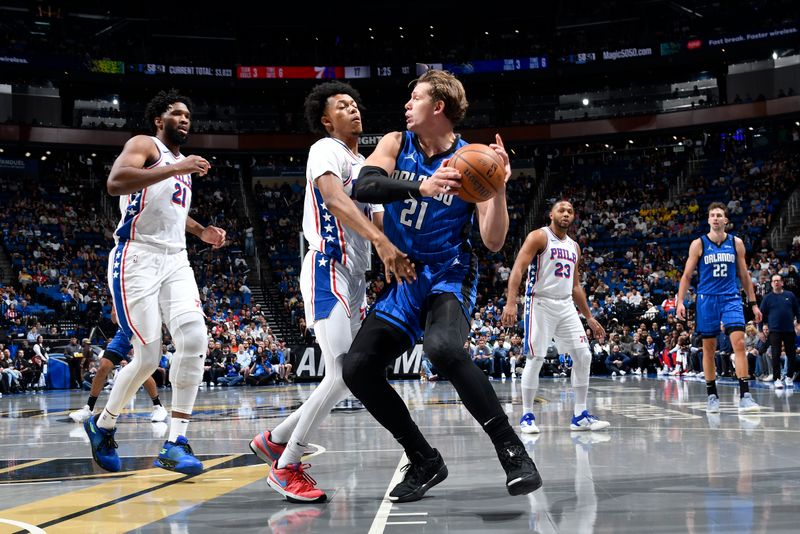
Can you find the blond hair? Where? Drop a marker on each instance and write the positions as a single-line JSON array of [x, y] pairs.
[[448, 89]]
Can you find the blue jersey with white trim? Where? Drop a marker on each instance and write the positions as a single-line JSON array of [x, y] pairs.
[[428, 229], [717, 267]]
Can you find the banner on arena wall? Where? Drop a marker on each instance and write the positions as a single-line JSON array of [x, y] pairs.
[[189, 70], [357, 71], [106, 66], [387, 71], [311, 364], [14, 60], [753, 36], [626, 53], [244, 72], [19, 166], [369, 140], [579, 58]]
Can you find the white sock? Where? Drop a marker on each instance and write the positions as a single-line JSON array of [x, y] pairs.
[[177, 427], [581, 392], [292, 454], [107, 420], [530, 383]]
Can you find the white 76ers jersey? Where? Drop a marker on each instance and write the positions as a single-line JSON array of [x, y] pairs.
[[551, 272], [323, 232], [156, 215]]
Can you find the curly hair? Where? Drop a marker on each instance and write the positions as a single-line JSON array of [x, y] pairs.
[[159, 104], [317, 99]]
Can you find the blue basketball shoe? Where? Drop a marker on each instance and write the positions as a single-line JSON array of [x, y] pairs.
[[527, 424], [178, 456], [104, 448]]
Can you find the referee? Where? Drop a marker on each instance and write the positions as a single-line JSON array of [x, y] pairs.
[[780, 309]]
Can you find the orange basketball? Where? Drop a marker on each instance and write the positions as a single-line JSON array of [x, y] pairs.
[[482, 172]]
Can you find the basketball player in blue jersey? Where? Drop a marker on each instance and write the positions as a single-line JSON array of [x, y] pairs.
[[719, 258], [435, 233]]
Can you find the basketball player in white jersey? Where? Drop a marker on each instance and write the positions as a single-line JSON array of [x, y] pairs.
[[150, 278], [339, 232], [552, 291]]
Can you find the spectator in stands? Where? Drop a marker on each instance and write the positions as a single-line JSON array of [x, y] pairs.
[[618, 363], [751, 348], [261, 372], [279, 364], [516, 358], [502, 349], [723, 354], [781, 312], [8, 375], [233, 372], [482, 356], [73, 354]]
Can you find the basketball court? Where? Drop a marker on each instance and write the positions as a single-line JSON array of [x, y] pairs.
[[664, 466]]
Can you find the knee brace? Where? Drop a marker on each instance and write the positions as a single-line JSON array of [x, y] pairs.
[[190, 337]]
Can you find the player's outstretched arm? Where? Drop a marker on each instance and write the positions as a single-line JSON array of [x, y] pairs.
[[493, 213], [744, 278], [533, 245], [695, 250], [128, 174], [395, 262], [375, 185]]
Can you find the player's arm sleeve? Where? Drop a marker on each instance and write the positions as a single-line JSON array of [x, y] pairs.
[[375, 186]]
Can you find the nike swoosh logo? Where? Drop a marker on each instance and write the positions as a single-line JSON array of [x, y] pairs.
[[281, 482]]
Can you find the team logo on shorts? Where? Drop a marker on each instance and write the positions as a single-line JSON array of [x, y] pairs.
[[135, 258]]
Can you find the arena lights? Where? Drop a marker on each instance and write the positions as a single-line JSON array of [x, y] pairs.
[[44, 158], [2, 150], [115, 101], [585, 101], [27, 154], [94, 154], [797, 123], [48, 152], [774, 56], [630, 141]]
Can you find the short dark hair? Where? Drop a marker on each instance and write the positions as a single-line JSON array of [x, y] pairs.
[[159, 104], [718, 206], [317, 99], [559, 201]]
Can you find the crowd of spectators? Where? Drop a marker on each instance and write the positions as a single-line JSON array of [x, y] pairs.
[[634, 242]]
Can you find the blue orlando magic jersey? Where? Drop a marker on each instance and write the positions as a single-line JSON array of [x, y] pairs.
[[428, 229], [717, 268]]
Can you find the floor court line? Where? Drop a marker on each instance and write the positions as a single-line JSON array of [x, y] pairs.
[[382, 516]]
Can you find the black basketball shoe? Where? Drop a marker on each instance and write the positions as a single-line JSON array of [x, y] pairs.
[[521, 474], [421, 475]]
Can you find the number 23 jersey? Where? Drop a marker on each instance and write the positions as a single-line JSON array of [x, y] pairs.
[[551, 272]]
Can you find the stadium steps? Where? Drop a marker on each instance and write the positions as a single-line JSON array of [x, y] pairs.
[[6, 270], [272, 305]]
